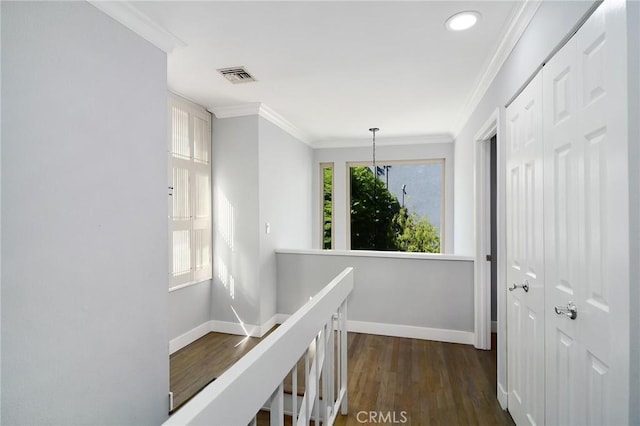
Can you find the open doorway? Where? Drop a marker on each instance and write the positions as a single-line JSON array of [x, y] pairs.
[[493, 206], [489, 209]]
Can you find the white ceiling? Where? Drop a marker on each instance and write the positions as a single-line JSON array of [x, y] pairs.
[[333, 69]]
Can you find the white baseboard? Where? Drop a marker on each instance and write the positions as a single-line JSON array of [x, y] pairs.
[[424, 333], [382, 329], [502, 396], [189, 337], [494, 326]]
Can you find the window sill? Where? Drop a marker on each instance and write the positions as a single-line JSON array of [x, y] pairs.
[[383, 254], [181, 286]]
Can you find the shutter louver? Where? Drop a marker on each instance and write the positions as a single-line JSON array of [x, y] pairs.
[[190, 149]]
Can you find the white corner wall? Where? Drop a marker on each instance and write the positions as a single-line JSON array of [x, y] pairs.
[[261, 174], [341, 156], [286, 166], [551, 24], [236, 232], [84, 219]]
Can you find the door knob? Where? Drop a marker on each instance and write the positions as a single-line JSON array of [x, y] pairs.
[[524, 286], [570, 310]]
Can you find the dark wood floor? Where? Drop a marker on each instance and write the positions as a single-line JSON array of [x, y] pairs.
[[196, 365], [433, 383], [424, 382]]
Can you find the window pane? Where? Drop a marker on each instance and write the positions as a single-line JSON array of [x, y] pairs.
[[181, 252], [397, 208], [327, 207], [180, 146], [181, 192], [201, 141]]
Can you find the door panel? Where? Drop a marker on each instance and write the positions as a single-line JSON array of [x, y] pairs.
[[586, 224], [525, 260]]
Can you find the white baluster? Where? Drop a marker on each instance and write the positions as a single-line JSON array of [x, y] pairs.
[[294, 394], [276, 407], [343, 355]]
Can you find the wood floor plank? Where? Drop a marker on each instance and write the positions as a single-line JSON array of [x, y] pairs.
[[424, 382]]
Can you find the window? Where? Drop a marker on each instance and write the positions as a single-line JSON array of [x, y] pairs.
[[326, 179], [190, 189], [397, 208]]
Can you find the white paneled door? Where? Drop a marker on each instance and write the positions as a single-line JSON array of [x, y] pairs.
[[525, 256], [586, 225], [568, 233]]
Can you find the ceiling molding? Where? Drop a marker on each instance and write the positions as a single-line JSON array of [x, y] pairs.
[[262, 110], [509, 38], [388, 141], [275, 118], [129, 16], [241, 110]]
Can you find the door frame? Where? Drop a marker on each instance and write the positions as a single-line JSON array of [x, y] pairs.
[[493, 126]]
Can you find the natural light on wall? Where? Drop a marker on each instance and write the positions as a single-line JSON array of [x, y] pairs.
[[190, 191], [225, 218]]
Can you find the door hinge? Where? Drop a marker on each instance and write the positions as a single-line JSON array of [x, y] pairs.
[[170, 401], [170, 190], [489, 258]]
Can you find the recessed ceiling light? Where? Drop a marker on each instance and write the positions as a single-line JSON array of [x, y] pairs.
[[462, 20]]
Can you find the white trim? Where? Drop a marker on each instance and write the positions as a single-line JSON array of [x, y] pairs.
[[232, 111], [243, 329], [268, 325], [494, 326], [129, 16], [262, 110], [384, 254], [275, 118], [509, 38], [482, 233], [381, 329], [502, 396], [189, 284], [408, 331], [412, 332], [189, 337], [384, 141], [240, 329]]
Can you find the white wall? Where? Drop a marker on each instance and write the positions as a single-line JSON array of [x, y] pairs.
[[551, 24], [84, 219], [235, 175], [286, 166], [341, 156], [265, 176], [413, 293], [189, 307]]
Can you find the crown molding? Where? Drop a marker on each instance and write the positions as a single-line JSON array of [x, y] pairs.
[[508, 40], [387, 141], [252, 108], [262, 110], [129, 16], [275, 118]]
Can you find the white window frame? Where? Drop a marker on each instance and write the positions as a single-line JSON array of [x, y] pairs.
[[381, 163], [198, 222]]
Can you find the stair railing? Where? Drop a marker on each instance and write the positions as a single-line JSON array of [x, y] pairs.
[[317, 333]]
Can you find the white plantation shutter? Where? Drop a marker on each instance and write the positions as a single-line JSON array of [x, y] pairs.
[[190, 220]]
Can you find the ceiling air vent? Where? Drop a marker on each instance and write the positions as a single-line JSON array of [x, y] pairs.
[[236, 75]]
